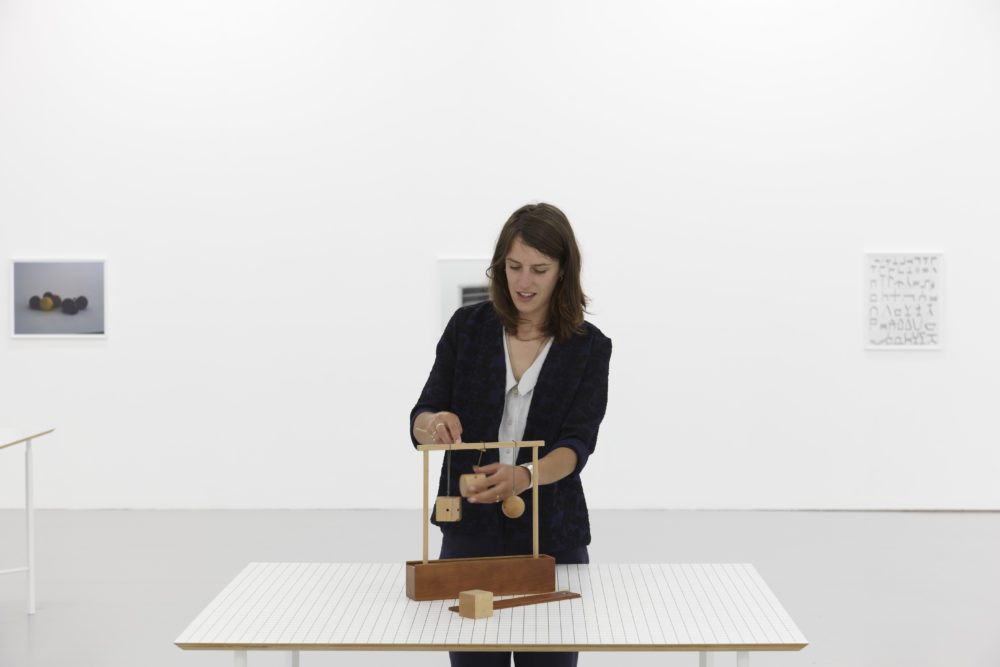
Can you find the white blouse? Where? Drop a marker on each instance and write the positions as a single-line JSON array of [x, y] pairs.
[[517, 401]]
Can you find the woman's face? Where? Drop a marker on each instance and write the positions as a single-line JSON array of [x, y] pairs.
[[531, 277]]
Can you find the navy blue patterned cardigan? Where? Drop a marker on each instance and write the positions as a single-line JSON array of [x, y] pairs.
[[567, 407]]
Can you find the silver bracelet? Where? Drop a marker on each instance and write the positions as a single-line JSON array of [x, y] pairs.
[[531, 475]]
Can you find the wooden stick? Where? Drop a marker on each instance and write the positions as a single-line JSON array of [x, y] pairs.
[[480, 445], [427, 467], [531, 599], [535, 476]]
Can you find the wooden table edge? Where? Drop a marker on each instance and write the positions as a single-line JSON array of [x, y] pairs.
[[25, 439], [540, 648]]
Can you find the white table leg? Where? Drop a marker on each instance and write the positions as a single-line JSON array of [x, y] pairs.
[[29, 506], [743, 659], [705, 659], [293, 659], [240, 658]]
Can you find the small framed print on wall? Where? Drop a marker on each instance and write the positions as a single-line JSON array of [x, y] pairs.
[[904, 301], [462, 282], [64, 298]]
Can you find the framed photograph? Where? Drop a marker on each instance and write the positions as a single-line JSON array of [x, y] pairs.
[[904, 300], [461, 282], [64, 298]]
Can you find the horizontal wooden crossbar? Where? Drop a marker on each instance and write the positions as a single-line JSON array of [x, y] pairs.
[[480, 445]]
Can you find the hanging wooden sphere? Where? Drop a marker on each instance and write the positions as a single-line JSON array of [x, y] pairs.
[[513, 507]]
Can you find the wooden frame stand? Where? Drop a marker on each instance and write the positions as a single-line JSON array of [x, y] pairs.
[[502, 575]]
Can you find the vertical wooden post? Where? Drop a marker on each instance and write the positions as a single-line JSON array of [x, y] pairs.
[[534, 501], [427, 466]]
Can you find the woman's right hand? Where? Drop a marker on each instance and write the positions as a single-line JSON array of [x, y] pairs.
[[441, 428]]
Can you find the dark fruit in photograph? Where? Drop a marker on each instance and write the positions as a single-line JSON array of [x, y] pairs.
[[47, 294], [35, 303], [56, 300], [45, 303], [69, 307], [81, 302]]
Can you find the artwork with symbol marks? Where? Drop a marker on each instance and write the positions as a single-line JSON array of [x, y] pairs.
[[903, 305]]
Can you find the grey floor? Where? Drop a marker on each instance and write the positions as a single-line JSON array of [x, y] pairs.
[[867, 588]]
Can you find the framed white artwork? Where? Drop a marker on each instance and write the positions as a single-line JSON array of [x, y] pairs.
[[461, 282], [63, 298], [904, 300]]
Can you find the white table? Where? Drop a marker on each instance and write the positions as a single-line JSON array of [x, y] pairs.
[[10, 436], [297, 607]]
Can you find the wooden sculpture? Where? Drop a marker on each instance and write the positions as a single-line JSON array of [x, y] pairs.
[[503, 575]]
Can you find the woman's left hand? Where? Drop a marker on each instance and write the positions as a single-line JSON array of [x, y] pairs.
[[498, 483]]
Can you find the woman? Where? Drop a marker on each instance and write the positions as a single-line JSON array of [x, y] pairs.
[[522, 366]]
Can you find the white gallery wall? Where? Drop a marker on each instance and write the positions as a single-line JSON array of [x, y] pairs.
[[272, 182]]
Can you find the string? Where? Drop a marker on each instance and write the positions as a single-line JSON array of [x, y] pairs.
[[513, 477]]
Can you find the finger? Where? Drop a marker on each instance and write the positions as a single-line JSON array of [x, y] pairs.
[[487, 469], [492, 494], [441, 433], [483, 486], [442, 428], [503, 474], [452, 427], [486, 491], [436, 427]]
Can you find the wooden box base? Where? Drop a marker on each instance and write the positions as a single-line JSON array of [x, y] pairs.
[[501, 575]]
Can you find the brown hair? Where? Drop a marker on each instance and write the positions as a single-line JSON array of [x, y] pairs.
[[546, 229]]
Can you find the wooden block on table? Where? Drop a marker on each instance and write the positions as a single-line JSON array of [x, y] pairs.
[[448, 508], [475, 604], [465, 480]]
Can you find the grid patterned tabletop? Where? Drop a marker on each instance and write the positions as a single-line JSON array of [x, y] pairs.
[[363, 606]]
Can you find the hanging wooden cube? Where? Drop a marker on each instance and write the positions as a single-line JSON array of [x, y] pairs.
[[448, 508]]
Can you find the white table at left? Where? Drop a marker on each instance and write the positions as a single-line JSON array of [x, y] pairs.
[[10, 436]]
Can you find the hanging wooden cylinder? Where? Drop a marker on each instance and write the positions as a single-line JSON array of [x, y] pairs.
[[465, 480]]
